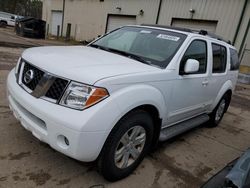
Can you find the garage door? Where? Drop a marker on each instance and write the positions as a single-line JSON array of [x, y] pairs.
[[195, 24], [115, 21], [55, 21]]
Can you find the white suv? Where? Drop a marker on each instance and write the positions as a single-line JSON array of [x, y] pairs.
[[114, 99]]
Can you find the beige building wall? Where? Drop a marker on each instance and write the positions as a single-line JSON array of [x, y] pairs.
[[89, 17]]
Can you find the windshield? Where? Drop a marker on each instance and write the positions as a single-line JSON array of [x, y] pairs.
[[150, 46]]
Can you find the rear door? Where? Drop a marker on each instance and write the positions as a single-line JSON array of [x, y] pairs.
[[220, 67], [190, 94]]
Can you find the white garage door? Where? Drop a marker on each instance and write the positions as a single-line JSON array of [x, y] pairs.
[[195, 24], [56, 20], [115, 21]]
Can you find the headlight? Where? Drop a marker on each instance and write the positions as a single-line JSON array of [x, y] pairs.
[[80, 96]]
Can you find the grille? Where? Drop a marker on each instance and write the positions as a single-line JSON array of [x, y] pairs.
[[38, 75], [57, 89]]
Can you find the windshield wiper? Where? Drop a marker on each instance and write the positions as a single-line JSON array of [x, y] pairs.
[[129, 55], [100, 47]]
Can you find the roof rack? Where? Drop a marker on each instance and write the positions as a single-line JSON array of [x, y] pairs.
[[212, 35], [201, 32], [169, 27]]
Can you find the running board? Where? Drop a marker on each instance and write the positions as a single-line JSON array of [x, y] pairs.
[[174, 130]]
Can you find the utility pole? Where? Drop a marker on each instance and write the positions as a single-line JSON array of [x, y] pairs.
[[62, 17]]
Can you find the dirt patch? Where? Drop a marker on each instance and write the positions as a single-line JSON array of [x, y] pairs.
[[40, 178], [63, 182], [156, 179], [3, 157], [4, 178], [18, 178], [231, 130], [202, 170], [19, 155], [166, 162]]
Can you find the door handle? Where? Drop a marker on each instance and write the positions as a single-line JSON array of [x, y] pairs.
[[205, 83]]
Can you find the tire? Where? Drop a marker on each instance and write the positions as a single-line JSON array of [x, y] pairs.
[[219, 111], [3, 24], [135, 126]]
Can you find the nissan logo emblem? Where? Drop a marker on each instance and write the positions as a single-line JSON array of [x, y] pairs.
[[28, 76]]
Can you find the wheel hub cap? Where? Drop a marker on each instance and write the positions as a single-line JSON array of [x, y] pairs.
[[130, 147]]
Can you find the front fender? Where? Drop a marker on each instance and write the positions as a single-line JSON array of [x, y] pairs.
[[104, 115], [133, 96], [228, 85]]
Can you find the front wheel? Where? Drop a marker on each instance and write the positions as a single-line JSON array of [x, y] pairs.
[[126, 146], [3, 24]]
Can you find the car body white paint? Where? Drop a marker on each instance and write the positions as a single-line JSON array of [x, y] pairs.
[[130, 84], [9, 18]]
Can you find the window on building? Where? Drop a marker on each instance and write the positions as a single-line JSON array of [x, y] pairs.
[[219, 58], [234, 59], [197, 50]]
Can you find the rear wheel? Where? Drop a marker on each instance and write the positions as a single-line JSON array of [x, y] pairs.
[[218, 113], [126, 145]]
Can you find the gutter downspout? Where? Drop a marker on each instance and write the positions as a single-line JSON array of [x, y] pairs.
[[62, 17], [244, 37], [158, 12], [240, 21]]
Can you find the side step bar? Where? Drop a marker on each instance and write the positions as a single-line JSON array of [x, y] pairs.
[[174, 130]]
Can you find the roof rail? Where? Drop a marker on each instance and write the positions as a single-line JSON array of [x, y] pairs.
[[201, 32], [168, 27], [212, 35]]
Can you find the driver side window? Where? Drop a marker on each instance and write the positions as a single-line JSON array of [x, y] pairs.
[[197, 50]]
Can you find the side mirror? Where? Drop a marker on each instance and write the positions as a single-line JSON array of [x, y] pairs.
[[191, 66]]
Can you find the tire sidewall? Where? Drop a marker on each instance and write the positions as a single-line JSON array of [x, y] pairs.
[[213, 120], [108, 168]]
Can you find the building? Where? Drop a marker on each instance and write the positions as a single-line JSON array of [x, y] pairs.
[[91, 18]]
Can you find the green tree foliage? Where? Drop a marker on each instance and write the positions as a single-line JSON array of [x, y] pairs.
[[32, 8]]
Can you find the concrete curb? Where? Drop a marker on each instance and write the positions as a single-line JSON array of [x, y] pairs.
[[17, 45]]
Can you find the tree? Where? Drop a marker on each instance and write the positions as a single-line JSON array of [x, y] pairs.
[[32, 8]]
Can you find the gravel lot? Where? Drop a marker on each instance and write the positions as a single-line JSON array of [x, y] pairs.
[[185, 161]]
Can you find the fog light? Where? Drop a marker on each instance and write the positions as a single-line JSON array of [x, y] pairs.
[[66, 141], [63, 141]]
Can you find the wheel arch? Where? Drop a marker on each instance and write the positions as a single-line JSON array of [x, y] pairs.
[[153, 112], [226, 89], [4, 21], [157, 121]]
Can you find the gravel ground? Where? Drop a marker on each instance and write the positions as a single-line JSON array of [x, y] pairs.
[[186, 161]]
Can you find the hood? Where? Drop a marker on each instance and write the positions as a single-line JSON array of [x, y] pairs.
[[83, 64]]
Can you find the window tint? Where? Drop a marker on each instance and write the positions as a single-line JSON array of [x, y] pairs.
[[219, 58], [234, 60], [197, 50]]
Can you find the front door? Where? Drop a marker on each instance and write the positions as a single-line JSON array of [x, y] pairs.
[[190, 95]]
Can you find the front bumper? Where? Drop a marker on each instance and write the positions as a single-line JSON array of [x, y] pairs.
[[51, 123]]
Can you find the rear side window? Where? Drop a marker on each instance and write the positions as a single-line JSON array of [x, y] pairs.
[[219, 58], [234, 59], [197, 50]]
